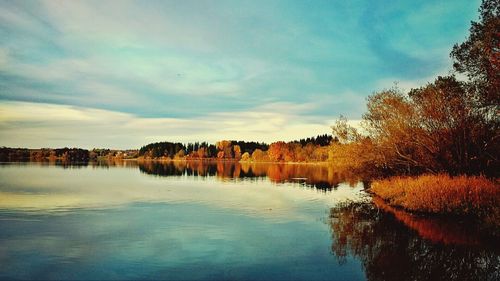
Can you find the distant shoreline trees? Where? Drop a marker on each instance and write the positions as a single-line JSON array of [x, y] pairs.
[[25, 154], [310, 149]]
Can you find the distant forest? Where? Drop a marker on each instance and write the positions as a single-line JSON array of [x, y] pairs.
[[298, 150], [303, 150], [25, 154]]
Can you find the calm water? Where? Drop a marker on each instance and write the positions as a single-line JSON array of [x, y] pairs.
[[221, 221]]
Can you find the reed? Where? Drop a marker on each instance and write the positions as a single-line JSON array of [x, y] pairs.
[[443, 194]]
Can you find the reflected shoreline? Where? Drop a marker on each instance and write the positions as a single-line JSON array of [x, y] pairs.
[[314, 175]]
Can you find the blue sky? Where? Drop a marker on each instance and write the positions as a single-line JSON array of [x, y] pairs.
[[123, 73]]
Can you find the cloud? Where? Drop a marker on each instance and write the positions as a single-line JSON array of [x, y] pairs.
[[48, 125]]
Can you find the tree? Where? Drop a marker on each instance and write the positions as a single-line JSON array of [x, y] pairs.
[[438, 127], [442, 124], [389, 123], [479, 56], [237, 152], [344, 132], [245, 156], [202, 152], [259, 155], [278, 151], [224, 148], [180, 154], [161, 149]]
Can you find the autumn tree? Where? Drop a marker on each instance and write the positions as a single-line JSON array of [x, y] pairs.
[[278, 151], [245, 157], [224, 149], [259, 155], [391, 124], [237, 152], [343, 132], [438, 127], [202, 152], [180, 154], [456, 132]]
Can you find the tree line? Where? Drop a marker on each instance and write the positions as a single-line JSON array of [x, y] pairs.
[[25, 154], [65, 154], [307, 149], [303, 150]]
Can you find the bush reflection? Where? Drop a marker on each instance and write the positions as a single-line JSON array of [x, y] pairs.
[[399, 246]]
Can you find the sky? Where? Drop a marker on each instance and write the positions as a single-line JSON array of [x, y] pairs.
[[121, 74]]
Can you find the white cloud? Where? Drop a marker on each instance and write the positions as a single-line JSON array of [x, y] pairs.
[[24, 124]]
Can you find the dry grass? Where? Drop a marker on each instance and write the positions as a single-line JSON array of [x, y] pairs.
[[443, 194]]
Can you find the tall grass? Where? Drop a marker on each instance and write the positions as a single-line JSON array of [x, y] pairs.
[[443, 194]]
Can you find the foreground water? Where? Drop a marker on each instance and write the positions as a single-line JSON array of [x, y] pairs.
[[220, 221]]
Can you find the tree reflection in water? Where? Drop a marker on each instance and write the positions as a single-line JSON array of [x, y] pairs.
[[391, 246], [322, 177]]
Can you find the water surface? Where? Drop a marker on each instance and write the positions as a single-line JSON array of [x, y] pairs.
[[190, 220]]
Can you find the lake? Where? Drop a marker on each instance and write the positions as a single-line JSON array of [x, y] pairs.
[[222, 221]]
